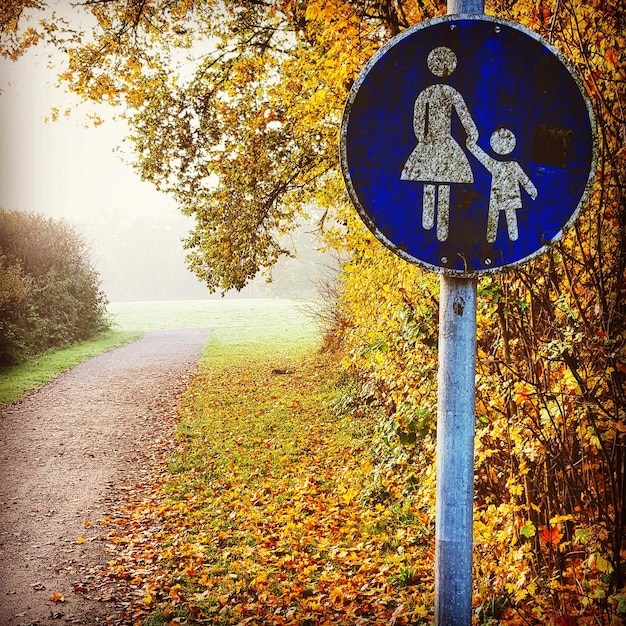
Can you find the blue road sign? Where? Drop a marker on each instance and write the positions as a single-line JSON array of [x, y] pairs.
[[468, 145]]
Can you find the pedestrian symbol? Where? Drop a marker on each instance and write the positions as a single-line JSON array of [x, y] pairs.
[[506, 178], [481, 151], [438, 159]]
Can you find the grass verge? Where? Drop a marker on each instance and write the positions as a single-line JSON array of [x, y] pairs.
[[258, 518], [20, 379]]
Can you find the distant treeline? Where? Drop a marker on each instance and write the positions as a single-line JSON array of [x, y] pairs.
[[50, 293]]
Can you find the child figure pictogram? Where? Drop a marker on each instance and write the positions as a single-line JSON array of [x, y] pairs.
[[506, 179]]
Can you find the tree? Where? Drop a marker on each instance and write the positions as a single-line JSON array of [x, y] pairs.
[[241, 135], [233, 107]]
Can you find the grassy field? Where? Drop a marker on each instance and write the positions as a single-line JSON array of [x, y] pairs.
[[241, 313], [261, 326], [258, 517], [236, 323]]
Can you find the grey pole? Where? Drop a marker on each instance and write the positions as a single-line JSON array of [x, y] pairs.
[[455, 435], [465, 6], [455, 452]]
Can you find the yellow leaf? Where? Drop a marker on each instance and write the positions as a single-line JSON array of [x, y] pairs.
[[602, 565], [560, 518]]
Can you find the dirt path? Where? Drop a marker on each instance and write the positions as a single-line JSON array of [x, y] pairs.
[[66, 453]]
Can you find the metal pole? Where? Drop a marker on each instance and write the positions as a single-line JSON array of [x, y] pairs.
[[465, 6], [455, 452], [455, 435]]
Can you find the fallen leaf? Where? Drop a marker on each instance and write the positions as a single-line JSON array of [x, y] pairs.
[[551, 535]]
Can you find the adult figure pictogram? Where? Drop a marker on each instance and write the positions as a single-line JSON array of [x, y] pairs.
[[438, 159]]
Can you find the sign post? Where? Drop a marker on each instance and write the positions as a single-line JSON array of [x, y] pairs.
[[468, 146], [456, 387], [455, 451]]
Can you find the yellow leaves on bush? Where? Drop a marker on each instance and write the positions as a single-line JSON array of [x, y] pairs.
[[598, 562]]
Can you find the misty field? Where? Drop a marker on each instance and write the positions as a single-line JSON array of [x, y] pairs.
[[272, 328], [222, 313], [266, 325]]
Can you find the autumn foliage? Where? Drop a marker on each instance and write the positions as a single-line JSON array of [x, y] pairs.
[[550, 450], [234, 109], [261, 517]]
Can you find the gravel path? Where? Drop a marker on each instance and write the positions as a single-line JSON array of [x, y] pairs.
[[66, 453]]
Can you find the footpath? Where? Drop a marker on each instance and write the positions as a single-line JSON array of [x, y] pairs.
[[67, 455]]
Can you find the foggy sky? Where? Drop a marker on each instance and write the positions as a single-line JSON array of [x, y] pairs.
[[65, 169]]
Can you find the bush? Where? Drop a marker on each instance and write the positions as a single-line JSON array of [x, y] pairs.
[[49, 291], [550, 480]]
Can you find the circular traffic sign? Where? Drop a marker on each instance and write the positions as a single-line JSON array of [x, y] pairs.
[[468, 145]]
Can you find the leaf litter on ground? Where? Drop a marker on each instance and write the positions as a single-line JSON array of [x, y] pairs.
[[258, 517]]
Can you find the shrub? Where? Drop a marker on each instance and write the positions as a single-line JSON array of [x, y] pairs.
[[49, 290]]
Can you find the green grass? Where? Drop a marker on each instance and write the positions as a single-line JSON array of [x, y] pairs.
[[243, 326], [20, 379]]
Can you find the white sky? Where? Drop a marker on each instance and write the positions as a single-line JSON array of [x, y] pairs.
[[66, 169], [60, 168]]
